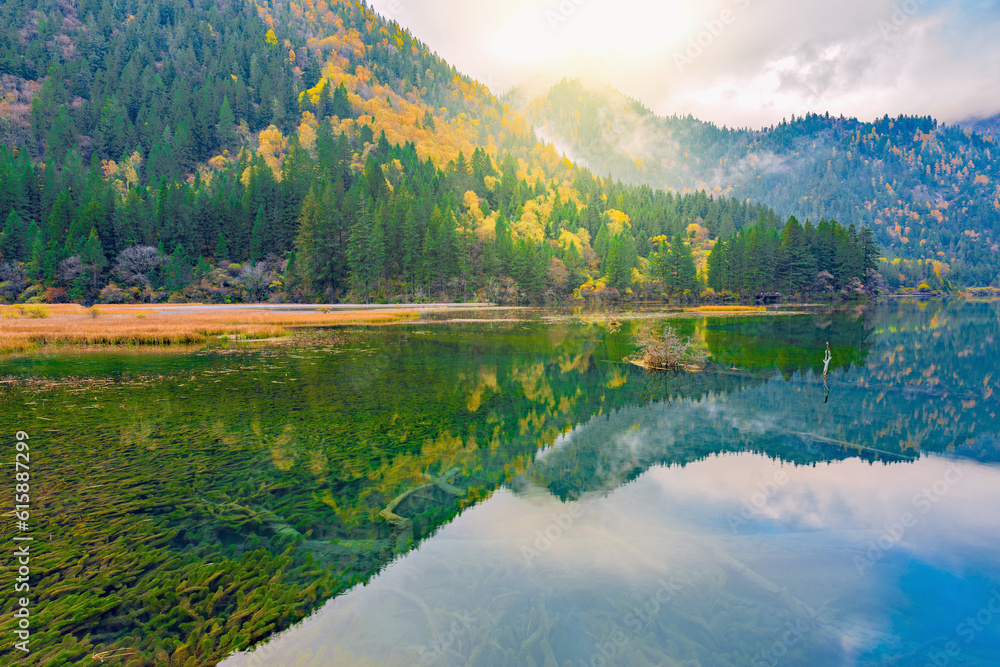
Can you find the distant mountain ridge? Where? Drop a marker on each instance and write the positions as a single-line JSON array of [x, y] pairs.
[[989, 126], [928, 191]]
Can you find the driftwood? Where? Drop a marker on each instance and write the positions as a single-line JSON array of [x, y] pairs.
[[443, 482]]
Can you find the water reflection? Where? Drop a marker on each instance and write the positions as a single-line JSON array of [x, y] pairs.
[[735, 559], [726, 518], [337, 456]]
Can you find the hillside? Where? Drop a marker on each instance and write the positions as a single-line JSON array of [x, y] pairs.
[[294, 152], [929, 192], [988, 127]]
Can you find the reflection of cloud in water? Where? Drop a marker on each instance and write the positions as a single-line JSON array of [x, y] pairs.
[[525, 575], [951, 501]]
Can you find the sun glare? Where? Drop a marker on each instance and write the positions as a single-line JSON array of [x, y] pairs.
[[543, 32]]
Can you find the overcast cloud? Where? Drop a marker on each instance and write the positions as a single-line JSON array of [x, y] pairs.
[[733, 62]]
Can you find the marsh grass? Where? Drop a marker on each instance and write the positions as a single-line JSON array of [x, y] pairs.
[[73, 325], [30, 310], [726, 309]]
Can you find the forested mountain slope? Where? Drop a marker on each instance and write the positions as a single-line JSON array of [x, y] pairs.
[[985, 126], [246, 151], [928, 191]]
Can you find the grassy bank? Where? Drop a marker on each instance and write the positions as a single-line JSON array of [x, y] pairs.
[[28, 328], [726, 309]]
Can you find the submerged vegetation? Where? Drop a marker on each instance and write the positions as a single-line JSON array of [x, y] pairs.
[[173, 532]]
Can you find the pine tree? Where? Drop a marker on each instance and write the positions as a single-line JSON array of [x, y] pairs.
[[870, 250], [367, 248], [308, 243], [36, 257], [618, 267], [410, 246], [257, 236], [178, 269], [221, 249], [683, 267], [227, 123], [602, 243], [13, 243], [798, 266], [202, 268], [291, 272], [93, 255], [716, 265]]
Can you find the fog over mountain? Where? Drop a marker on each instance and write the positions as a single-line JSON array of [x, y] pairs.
[[742, 63]]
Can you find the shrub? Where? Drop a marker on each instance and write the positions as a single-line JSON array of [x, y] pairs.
[[113, 294], [31, 292], [36, 311], [55, 295], [667, 351]]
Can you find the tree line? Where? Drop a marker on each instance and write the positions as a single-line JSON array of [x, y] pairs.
[[327, 227], [799, 258]]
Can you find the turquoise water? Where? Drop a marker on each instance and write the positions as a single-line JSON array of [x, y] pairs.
[[673, 568], [511, 493], [761, 521]]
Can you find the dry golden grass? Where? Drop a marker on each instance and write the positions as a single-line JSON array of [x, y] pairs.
[[163, 325], [726, 309]]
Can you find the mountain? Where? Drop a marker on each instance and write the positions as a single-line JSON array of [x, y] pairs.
[[988, 127], [241, 151], [929, 192]]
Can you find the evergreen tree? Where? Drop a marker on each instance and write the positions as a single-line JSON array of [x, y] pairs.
[[870, 250], [36, 258], [257, 233], [291, 272], [178, 270], [308, 243], [367, 248], [92, 256], [683, 270], [798, 266], [227, 123], [221, 249], [13, 243]]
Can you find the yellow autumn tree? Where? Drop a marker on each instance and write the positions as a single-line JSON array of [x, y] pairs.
[[272, 148], [307, 132]]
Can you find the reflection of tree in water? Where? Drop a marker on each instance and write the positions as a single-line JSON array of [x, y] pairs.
[[791, 344], [908, 380], [289, 482]]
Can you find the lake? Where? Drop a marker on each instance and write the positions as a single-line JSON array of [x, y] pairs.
[[511, 493]]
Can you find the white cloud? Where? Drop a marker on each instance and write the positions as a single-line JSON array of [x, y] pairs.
[[734, 62]]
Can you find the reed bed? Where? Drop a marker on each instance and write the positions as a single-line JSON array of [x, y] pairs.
[[726, 309], [70, 324]]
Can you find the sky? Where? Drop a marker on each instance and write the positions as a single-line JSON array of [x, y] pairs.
[[740, 63]]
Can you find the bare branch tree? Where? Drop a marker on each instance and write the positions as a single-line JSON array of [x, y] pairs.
[[133, 265], [256, 279]]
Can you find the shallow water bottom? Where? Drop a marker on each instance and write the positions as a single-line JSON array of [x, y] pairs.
[[734, 560]]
